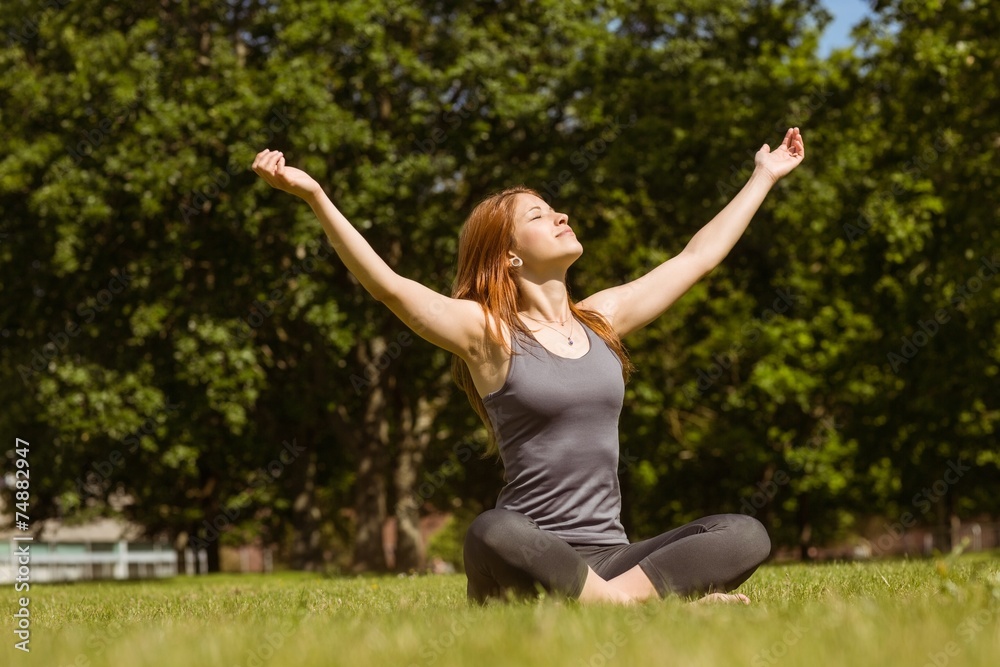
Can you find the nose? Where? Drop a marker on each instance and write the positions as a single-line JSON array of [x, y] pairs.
[[562, 219]]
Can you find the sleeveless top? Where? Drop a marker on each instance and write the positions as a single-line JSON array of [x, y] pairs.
[[556, 424]]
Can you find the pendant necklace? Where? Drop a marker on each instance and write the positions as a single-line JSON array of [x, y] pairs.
[[569, 339]]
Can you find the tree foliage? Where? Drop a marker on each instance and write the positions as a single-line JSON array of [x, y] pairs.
[[186, 350]]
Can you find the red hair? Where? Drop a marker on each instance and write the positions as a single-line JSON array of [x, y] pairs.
[[486, 277]]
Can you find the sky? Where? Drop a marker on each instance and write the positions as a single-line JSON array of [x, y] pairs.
[[846, 14]]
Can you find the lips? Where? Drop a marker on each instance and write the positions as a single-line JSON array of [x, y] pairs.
[[565, 231]]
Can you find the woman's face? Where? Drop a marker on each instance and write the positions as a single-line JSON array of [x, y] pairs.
[[542, 237]]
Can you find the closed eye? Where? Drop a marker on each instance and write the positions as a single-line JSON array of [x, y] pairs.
[[538, 217]]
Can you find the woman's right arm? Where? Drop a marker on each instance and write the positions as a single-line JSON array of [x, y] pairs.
[[457, 325]]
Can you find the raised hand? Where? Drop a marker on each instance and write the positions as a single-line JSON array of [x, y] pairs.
[[270, 165], [784, 158]]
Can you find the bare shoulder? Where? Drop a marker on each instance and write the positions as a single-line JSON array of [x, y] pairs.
[[603, 304]]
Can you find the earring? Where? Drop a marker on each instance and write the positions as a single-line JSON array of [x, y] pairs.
[[516, 261]]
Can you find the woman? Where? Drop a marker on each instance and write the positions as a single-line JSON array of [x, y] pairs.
[[547, 378]]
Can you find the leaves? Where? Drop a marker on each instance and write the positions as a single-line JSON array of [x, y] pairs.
[[131, 134]]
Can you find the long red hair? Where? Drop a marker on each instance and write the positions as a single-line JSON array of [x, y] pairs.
[[486, 277]]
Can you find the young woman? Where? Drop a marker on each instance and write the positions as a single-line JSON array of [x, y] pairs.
[[547, 377]]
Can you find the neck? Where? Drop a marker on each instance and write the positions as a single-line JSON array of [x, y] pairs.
[[545, 301]]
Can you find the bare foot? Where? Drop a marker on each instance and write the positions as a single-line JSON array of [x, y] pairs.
[[724, 597]]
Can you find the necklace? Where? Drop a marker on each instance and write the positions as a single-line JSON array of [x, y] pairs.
[[569, 339], [561, 322]]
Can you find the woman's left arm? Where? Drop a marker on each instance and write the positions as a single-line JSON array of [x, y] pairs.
[[635, 304]]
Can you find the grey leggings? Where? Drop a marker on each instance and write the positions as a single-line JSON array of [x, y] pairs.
[[507, 555]]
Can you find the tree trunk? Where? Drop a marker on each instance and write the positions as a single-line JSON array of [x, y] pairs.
[[770, 490], [409, 544], [181, 541], [417, 430], [307, 553], [370, 509], [954, 523], [215, 523], [195, 543], [370, 486], [805, 528], [213, 557]]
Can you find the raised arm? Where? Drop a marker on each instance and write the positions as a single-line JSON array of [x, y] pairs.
[[635, 304], [457, 325]]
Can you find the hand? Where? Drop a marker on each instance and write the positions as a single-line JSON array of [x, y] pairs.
[[270, 165], [785, 157]]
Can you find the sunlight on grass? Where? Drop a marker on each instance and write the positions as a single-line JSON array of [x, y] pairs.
[[885, 613]]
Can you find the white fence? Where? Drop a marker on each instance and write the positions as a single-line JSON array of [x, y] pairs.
[[76, 561]]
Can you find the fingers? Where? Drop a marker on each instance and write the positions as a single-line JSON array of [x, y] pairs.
[[267, 161], [793, 143], [798, 147], [256, 160], [272, 162]]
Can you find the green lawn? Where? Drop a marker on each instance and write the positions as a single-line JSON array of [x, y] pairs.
[[887, 613]]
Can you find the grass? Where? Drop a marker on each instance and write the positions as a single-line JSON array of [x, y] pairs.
[[915, 613]]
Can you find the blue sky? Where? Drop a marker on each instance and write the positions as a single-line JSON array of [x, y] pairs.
[[846, 14]]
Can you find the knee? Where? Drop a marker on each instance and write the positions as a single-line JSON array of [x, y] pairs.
[[493, 528], [755, 537], [752, 537]]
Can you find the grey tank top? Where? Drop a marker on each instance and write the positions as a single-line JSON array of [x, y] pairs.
[[556, 423]]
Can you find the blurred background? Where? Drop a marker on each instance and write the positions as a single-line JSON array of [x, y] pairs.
[[204, 386]]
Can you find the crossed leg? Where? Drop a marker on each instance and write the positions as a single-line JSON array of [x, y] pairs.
[[507, 555], [709, 556]]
